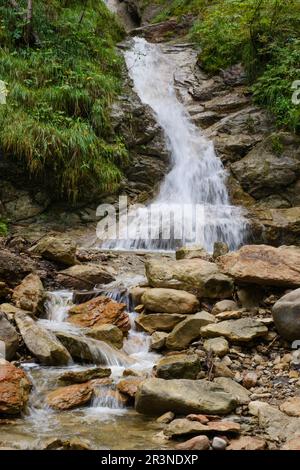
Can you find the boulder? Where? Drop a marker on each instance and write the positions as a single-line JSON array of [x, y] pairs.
[[218, 346], [197, 276], [241, 394], [108, 333], [191, 252], [247, 443], [286, 315], [159, 321], [291, 406], [239, 331], [179, 366], [136, 295], [14, 389], [195, 443], [188, 330], [13, 267], [80, 376], [129, 386], [100, 311], [158, 340], [59, 249], [30, 294], [9, 336], [72, 396], [224, 306], [170, 301], [156, 396], [84, 276], [264, 265], [41, 343]]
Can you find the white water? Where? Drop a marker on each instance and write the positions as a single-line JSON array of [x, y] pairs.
[[195, 186]]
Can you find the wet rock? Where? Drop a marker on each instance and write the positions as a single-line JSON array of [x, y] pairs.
[[84, 276], [263, 265], [129, 386], [40, 342], [191, 252], [166, 418], [224, 306], [179, 366], [218, 443], [170, 301], [292, 444], [109, 333], [136, 294], [218, 346], [198, 276], [100, 311], [158, 340], [286, 315], [188, 330], [247, 443], [220, 249], [13, 267], [59, 249], [241, 394], [159, 321], [72, 444], [156, 396], [72, 396], [249, 380], [30, 294], [195, 443], [240, 331], [9, 336], [77, 377], [14, 389], [291, 406]]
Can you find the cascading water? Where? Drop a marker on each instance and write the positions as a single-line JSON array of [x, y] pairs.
[[193, 204]]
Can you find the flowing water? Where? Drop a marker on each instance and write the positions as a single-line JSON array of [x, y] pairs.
[[192, 205]]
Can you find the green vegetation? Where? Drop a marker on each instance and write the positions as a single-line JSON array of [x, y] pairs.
[[262, 34], [62, 73], [3, 228]]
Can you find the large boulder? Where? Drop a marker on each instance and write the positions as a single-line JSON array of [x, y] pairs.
[[286, 315], [157, 396], [13, 267], [197, 276], [108, 333], [84, 276], [100, 311], [264, 265], [41, 343], [71, 396], [14, 389], [170, 301], [179, 366], [238, 331], [188, 330], [151, 322], [59, 249], [30, 294], [9, 336]]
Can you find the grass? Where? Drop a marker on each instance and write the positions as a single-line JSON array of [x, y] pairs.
[[56, 121]]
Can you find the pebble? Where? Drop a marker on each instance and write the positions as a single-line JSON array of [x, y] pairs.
[[218, 443], [250, 380]]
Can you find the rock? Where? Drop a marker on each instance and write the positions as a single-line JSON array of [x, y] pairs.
[[30, 294], [188, 330], [249, 380], [198, 276], [241, 394], [224, 306], [221, 370], [14, 389], [278, 225], [159, 321], [158, 340], [129, 386], [203, 419], [179, 366], [229, 102], [109, 333], [263, 265], [247, 443], [84, 276], [183, 427], [10, 310], [77, 377], [4, 290], [291, 406], [72, 444], [218, 346], [136, 294], [13, 268], [195, 443], [220, 249], [286, 315], [191, 252], [170, 301], [166, 418], [218, 443], [100, 311], [250, 296], [9, 337], [239, 331], [40, 342], [56, 248], [292, 444], [156, 396], [72, 396], [230, 315], [224, 426]]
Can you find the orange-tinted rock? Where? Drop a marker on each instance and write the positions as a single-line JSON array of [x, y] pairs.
[[293, 444], [14, 389], [200, 418], [129, 386], [100, 311], [223, 426], [247, 443], [196, 443], [66, 398]]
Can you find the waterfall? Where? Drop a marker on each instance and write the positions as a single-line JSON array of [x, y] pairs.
[[192, 205]]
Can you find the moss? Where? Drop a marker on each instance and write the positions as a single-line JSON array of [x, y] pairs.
[[3, 228]]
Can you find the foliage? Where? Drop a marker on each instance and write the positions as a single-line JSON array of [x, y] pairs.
[[56, 120], [3, 228]]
